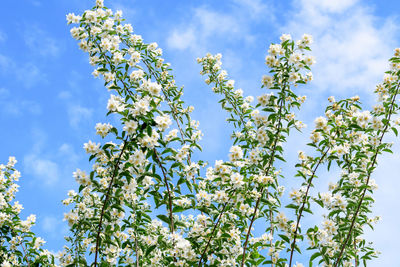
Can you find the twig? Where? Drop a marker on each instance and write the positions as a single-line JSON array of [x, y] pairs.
[[369, 176], [277, 135], [212, 232], [106, 200], [303, 204], [171, 216]]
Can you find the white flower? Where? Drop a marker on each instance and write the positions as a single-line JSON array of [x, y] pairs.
[[295, 58], [264, 99], [267, 81], [117, 58], [102, 129], [91, 148], [109, 76], [310, 60], [130, 127], [230, 83], [115, 104], [284, 37], [271, 61], [108, 24], [99, 3], [154, 88], [363, 118], [72, 18], [172, 134], [315, 136], [236, 153], [163, 122], [294, 77], [320, 123], [38, 243], [237, 180], [275, 49], [136, 75]]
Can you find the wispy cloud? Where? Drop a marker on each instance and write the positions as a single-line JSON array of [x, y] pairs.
[[17, 107], [53, 226], [67, 152], [45, 170], [205, 25], [28, 73], [78, 114], [38, 164], [40, 41], [352, 45]]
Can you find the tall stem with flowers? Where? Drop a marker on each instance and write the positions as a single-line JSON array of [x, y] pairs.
[[147, 203]]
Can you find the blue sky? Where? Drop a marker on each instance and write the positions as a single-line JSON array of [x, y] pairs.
[[49, 103]]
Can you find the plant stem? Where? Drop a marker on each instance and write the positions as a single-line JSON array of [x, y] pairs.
[[106, 201], [369, 176], [303, 204]]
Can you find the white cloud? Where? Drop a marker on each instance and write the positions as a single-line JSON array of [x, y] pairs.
[[386, 206], [77, 114], [64, 95], [39, 41], [18, 107], [39, 164], [256, 8], [50, 224], [68, 153], [36, 3], [14, 106], [43, 169], [351, 45], [206, 25], [182, 40], [53, 226], [28, 73], [128, 10]]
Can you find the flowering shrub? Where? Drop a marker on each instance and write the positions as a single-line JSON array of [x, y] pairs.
[[18, 244], [147, 203]]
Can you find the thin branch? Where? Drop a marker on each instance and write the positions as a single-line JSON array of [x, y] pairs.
[[106, 201], [174, 111], [271, 229], [137, 252], [369, 176], [171, 216], [303, 204], [277, 135], [212, 233], [355, 259], [23, 248], [25, 255]]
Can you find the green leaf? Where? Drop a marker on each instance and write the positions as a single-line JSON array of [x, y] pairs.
[[395, 130], [164, 218], [285, 238], [150, 249]]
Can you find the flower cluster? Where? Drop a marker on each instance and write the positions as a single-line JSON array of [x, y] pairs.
[[152, 168], [19, 245], [146, 202]]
